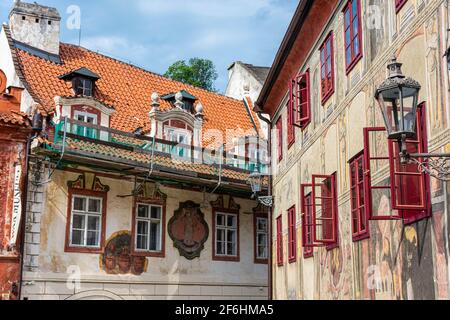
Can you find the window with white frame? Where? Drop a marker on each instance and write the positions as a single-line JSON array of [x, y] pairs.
[[179, 136], [148, 228], [226, 234], [86, 224], [262, 238], [89, 118]]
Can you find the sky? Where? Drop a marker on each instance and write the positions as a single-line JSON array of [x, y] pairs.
[[153, 34]]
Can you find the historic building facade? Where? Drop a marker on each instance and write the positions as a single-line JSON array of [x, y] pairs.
[[351, 222], [137, 184]]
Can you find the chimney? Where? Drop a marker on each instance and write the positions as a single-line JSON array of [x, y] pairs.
[[35, 25]]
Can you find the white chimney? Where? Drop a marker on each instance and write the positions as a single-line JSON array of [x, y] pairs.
[[35, 25]]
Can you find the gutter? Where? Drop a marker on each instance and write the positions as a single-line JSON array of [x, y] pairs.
[[270, 213]]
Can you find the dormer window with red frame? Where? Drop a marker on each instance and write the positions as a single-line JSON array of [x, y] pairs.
[[327, 68], [352, 33], [279, 129], [408, 189], [300, 102], [280, 260], [292, 235], [399, 5], [319, 201]]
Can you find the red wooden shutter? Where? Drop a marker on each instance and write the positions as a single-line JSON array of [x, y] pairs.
[[324, 209], [377, 157], [307, 222], [303, 101], [291, 116], [292, 235], [411, 188], [360, 225], [279, 241], [279, 126]]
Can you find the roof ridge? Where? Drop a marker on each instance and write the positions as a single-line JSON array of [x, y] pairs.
[[149, 71]]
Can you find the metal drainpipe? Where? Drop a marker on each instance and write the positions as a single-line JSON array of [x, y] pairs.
[[269, 138]]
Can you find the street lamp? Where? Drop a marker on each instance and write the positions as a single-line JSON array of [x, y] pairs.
[[398, 97], [256, 182]]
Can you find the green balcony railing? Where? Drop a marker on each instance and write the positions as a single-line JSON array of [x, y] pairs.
[[80, 131]]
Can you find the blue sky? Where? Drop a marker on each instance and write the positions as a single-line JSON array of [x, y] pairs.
[[155, 33]]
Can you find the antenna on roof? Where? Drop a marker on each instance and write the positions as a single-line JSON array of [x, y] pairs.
[[79, 36]]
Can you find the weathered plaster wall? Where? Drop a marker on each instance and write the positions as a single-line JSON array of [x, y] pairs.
[[397, 261], [172, 277]]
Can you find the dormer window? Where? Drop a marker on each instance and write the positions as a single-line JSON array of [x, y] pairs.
[[83, 81], [82, 87], [185, 100]]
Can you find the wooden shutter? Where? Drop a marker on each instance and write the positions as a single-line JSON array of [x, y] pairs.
[[292, 235], [324, 209], [411, 188], [279, 241], [302, 106], [376, 157]]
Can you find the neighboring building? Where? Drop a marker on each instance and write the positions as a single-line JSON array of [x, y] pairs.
[[15, 129], [336, 234], [245, 81], [131, 193]]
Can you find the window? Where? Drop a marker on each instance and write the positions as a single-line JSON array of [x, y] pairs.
[[300, 100], [292, 231], [399, 5], [353, 33], [360, 224], [323, 229], [90, 119], [261, 239], [307, 224], [327, 68], [279, 128], [280, 260], [226, 235], [86, 222], [148, 228], [181, 137], [406, 189], [82, 87], [291, 120]]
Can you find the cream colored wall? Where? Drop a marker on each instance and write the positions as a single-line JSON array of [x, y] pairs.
[[329, 143], [170, 277]]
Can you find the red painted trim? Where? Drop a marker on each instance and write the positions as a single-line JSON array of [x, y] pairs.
[[279, 129], [88, 193], [162, 253], [87, 109], [225, 258], [255, 243]]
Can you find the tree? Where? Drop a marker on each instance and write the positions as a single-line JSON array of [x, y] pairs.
[[197, 72]]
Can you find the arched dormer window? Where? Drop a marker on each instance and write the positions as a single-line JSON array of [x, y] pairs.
[[83, 81]]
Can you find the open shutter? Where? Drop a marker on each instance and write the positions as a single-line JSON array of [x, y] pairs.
[[307, 218], [279, 126], [290, 113], [280, 259], [324, 209], [411, 188], [303, 101], [377, 193]]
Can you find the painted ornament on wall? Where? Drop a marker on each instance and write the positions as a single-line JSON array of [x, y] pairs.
[[189, 230], [118, 258]]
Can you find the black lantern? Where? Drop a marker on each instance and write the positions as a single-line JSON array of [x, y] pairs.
[[255, 180], [398, 98]]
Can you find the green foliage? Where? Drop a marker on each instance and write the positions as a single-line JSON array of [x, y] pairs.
[[197, 72]]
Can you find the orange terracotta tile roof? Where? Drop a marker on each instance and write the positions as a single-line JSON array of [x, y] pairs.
[[125, 87], [15, 118]]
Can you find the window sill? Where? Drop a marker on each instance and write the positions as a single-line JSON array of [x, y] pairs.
[[353, 64], [308, 256], [262, 261], [293, 260], [361, 237], [226, 259], [86, 250], [327, 97], [149, 254]]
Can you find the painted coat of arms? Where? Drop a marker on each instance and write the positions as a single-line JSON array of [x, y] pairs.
[[189, 230]]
